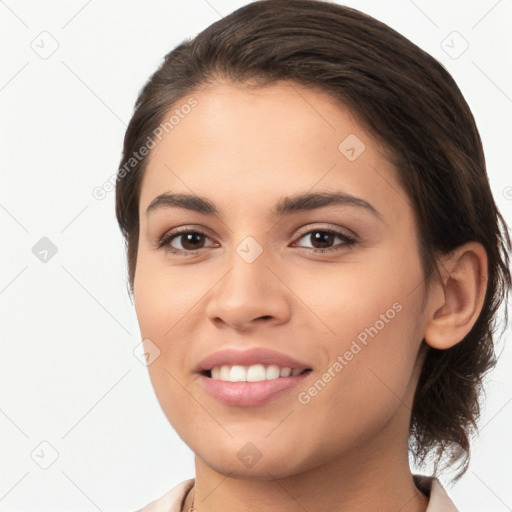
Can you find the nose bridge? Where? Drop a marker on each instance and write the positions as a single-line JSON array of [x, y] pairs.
[[248, 277], [249, 290]]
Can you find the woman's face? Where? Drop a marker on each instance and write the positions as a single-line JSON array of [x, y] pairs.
[[247, 277]]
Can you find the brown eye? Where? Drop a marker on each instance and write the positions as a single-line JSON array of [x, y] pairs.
[[191, 241], [322, 239], [183, 242]]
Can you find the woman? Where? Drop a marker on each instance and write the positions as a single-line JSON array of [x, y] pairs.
[[316, 260]]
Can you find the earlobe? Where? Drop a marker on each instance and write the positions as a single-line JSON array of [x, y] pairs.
[[460, 297]]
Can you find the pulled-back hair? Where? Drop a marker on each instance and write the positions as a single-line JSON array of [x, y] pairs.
[[412, 106]]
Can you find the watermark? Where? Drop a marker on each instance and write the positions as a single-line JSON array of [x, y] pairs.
[[44, 250], [351, 147], [100, 191], [249, 454], [44, 45], [44, 455], [454, 45], [304, 397], [249, 249], [146, 352]]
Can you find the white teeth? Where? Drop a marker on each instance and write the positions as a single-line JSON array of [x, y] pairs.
[[254, 373], [272, 372], [224, 373], [238, 374]]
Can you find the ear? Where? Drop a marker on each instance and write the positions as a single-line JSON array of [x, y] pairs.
[[456, 302]]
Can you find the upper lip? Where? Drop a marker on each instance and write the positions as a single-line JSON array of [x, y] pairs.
[[248, 357]]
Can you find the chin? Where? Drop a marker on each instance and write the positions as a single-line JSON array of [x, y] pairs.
[[262, 470], [261, 459]]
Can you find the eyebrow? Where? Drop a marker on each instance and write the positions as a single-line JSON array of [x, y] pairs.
[[285, 205]]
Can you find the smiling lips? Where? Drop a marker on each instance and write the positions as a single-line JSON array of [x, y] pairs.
[[250, 377]]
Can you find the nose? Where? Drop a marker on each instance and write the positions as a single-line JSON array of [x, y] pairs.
[[249, 294]]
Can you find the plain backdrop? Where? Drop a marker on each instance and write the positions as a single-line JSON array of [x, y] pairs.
[[81, 428]]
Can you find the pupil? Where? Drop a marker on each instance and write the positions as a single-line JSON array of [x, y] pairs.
[[188, 238], [320, 236]]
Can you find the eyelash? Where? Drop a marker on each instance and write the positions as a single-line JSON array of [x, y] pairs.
[[166, 239]]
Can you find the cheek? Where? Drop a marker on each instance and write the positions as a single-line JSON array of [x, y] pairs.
[[358, 296], [365, 382], [163, 297], [371, 337], [158, 308]]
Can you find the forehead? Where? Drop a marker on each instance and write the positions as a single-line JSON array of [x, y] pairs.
[[243, 146]]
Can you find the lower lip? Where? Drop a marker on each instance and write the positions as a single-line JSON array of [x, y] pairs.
[[248, 394]]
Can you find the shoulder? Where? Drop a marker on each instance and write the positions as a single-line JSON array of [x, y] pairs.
[[172, 500], [439, 501]]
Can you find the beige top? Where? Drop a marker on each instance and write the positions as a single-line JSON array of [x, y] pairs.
[[439, 501]]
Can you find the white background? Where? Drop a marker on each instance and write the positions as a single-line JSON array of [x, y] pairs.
[[68, 329]]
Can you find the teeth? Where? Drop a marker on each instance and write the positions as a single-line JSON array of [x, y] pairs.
[[254, 373], [224, 373], [285, 372], [272, 372], [237, 374]]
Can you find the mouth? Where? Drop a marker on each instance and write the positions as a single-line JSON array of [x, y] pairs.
[[240, 391], [250, 377]]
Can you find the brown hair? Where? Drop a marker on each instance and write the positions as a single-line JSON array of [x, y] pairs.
[[411, 104]]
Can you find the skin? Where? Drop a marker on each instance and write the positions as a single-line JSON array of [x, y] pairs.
[[345, 450]]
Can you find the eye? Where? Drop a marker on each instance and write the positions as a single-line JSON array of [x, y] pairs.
[[322, 238], [190, 240]]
